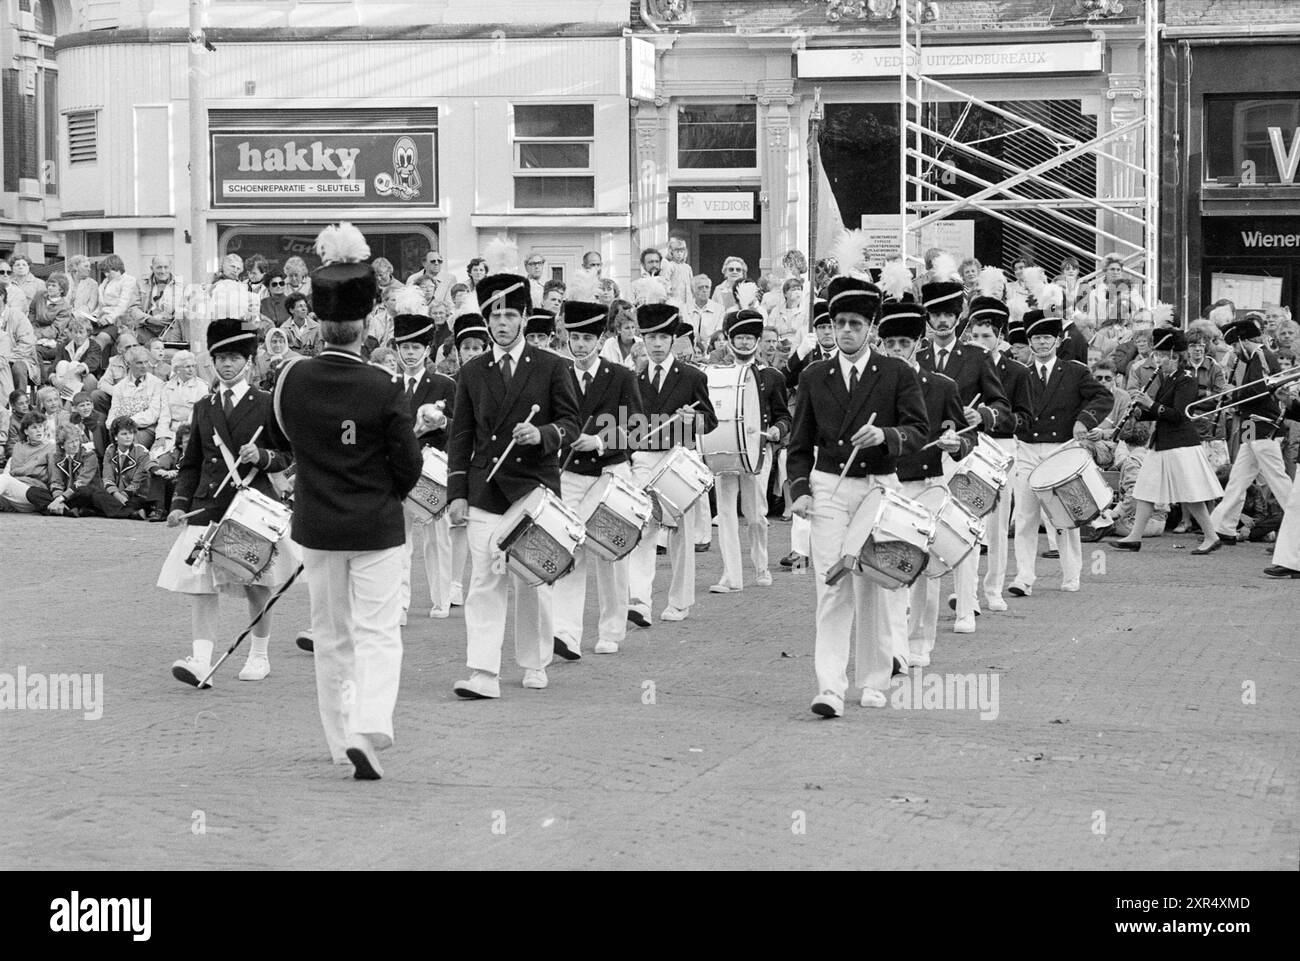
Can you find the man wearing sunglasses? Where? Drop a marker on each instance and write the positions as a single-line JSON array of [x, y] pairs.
[[441, 289]]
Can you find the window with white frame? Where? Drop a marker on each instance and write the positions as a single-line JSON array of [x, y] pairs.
[[717, 136], [553, 149]]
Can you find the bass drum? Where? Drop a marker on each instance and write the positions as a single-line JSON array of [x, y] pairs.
[[736, 445]]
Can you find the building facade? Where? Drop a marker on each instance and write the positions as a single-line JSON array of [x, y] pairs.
[[438, 124], [29, 128], [1231, 201], [723, 149]]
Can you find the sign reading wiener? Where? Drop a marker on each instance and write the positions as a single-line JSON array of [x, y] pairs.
[[376, 168]]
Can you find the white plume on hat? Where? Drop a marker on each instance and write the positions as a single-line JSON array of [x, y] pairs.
[[1051, 300], [746, 294], [850, 253], [895, 280], [501, 255], [943, 267], [409, 300], [1162, 314], [1034, 279], [992, 282], [342, 243], [1222, 315], [582, 286], [1016, 307], [649, 290]]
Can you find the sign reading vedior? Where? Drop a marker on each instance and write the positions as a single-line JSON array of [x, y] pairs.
[[721, 205]]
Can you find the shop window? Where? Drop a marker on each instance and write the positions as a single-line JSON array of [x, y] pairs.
[[553, 147], [1249, 137], [717, 136], [83, 136]]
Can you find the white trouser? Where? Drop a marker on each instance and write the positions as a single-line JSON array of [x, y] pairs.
[[995, 531], [435, 541], [355, 617], [1287, 551], [1255, 459], [569, 593], [800, 535], [753, 501], [459, 537], [13, 492], [965, 574], [1029, 512], [703, 521], [486, 601], [681, 550], [923, 595], [875, 616]]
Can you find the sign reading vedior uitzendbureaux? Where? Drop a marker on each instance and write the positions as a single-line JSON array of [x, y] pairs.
[[324, 168], [715, 205], [993, 58]]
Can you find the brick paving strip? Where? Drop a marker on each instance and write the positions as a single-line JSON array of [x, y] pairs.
[[1121, 738]]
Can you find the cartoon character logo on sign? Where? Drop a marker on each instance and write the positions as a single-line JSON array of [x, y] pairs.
[[404, 183]]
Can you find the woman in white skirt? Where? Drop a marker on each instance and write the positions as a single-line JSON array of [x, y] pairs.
[[226, 429], [1177, 470]]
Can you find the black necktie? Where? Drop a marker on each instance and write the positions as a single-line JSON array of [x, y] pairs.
[[853, 380], [227, 402], [410, 387], [658, 379], [943, 360], [505, 369], [1042, 374], [586, 380]]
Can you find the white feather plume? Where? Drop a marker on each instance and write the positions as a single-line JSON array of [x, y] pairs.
[[1162, 314], [1034, 279], [342, 243], [1051, 300], [850, 253], [992, 282], [895, 280], [1222, 315], [409, 300], [1016, 307], [747, 294], [944, 267], [582, 285], [649, 290], [502, 255]]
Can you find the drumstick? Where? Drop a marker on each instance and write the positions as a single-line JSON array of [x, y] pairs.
[[668, 421], [852, 454], [935, 443], [573, 450], [509, 447], [234, 471]]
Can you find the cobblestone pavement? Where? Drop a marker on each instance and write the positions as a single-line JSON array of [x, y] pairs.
[[1121, 738]]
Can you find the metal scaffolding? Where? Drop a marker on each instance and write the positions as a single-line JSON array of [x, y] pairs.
[[1042, 163]]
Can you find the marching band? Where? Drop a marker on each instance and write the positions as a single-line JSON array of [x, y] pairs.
[[921, 425]]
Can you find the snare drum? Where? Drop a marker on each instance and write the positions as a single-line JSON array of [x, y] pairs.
[[428, 499], [1071, 487], [735, 446], [888, 540], [678, 481], [243, 543], [981, 477], [539, 537], [614, 512], [956, 531]]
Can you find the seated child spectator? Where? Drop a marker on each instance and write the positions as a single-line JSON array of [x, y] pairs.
[[126, 474], [28, 474], [76, 473], [92, 423]]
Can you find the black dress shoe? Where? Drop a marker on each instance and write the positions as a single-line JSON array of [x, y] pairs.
[[1129, 545], [1208, 550], [1050, 555], [306, 644], [660, 549], [1228, 538], [1278, 571], [788, 560], [156, 516], [984, 549], [637, 618], [563, 650]]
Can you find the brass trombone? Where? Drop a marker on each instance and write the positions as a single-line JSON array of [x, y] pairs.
[[1270, 383]]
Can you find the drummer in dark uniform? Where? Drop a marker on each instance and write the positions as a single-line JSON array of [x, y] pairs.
[[230, 429], [900, 329], [743, 330], [431, 399], [495, 394], [864, 410], [1063, 401], [668, 388], [609, 401]]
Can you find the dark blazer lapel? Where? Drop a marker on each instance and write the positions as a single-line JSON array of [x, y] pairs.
[[219, 422], [246, 405], [867, 385], [601, 383], [518, 378], [840, 393]]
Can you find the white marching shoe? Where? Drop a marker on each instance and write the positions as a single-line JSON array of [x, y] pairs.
[[444, 611], [535, 679], [764, 579], [964, 625], [995, 604], [255, 668], [873, 698], [828, 704], [191, 670], [606, 647], [481, 684], [918, 660]]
